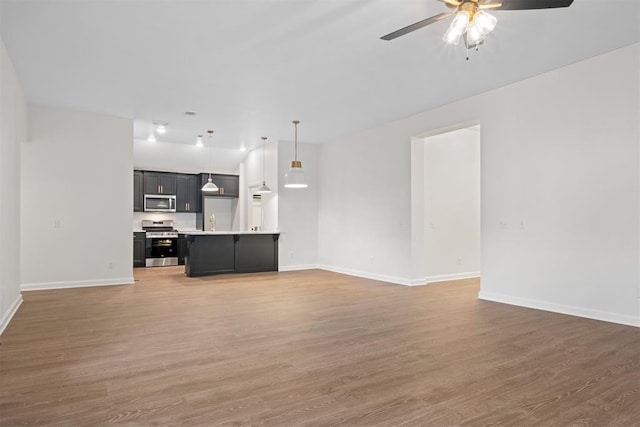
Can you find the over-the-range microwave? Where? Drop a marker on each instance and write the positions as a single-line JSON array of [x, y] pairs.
[[159, 203]]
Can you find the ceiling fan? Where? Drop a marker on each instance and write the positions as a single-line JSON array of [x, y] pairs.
[[471, 22]]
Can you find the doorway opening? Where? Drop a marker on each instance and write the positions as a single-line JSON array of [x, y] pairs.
[[446, 205]]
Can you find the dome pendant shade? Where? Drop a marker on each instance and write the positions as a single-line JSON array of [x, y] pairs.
[[264, 189], [210, 187], [295, 177]]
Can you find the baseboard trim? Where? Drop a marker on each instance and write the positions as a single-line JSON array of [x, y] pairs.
[[297, 267], [562, 309], [455, 276], [366, 275], [4, 322], [76, 284]]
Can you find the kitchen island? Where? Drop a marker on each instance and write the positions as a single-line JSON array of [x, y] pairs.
[[216, 252]]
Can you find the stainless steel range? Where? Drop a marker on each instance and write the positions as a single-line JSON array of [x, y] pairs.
[[161, 248]]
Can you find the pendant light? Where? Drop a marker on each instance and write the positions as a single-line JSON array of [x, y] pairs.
[[264, 188], [295, 177], [210, 187]]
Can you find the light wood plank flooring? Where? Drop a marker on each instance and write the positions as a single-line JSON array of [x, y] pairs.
[[308, 348]]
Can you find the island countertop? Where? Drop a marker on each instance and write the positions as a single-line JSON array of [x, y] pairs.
[[224, 233]]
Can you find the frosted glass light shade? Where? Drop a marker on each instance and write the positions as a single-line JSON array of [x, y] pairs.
[[485, 22], [474, 34], [264, 189], [210, 187], [457, 28], [295, 177]]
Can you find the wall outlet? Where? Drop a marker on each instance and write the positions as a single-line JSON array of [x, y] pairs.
[[459, 261], [110, 265], [56, 223]]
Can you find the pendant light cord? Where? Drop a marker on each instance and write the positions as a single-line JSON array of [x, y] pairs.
[[210, 142], [295, 146], [264, 141]]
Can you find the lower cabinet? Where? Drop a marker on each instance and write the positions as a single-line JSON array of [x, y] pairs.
[[139, 249], [256, 252], [210, 255]]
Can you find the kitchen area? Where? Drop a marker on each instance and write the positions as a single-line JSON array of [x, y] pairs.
[[175, 223]]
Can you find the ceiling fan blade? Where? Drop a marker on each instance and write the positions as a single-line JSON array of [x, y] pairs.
[[530, 4], [416, 26], [454, 3]]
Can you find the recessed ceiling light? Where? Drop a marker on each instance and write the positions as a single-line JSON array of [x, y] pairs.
[[161, 127], [190, 113]]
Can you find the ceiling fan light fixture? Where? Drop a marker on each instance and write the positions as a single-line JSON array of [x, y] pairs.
[[475, 35], [484, 21], [458, 26]]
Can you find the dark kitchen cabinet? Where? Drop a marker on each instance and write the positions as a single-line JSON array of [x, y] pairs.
[[256, 252], [188, 194], [182, 248], [138, 191], [159, 183], [228, 185], [138, 249], [210, 255]]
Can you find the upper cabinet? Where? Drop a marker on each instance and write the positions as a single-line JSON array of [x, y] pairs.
[[159, 183], [188, 195], [186, 188], [228, 185], [138, 191]]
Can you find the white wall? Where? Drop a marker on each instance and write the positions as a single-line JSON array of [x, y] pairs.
[[185, 158], [76, 200], [364, 209], [298, 209], [12, 133], [452, 205], [560, 190]]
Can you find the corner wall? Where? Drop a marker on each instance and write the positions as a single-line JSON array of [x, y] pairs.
[[560, 191], [12, 132], [76, 200]]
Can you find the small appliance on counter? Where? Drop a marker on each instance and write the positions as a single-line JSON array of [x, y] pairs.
[[161, 243]]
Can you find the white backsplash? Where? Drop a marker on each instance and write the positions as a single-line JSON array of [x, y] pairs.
[[181, 221]]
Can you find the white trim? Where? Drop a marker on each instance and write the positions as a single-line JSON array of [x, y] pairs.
[[4, 322], [455, 276], [76, 284], [372, 276], [562, 309], [297, 267]]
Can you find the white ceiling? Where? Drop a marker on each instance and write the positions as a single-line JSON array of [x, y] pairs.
[[248, 68]]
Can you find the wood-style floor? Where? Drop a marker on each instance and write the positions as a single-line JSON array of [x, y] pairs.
[[308, 348]]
